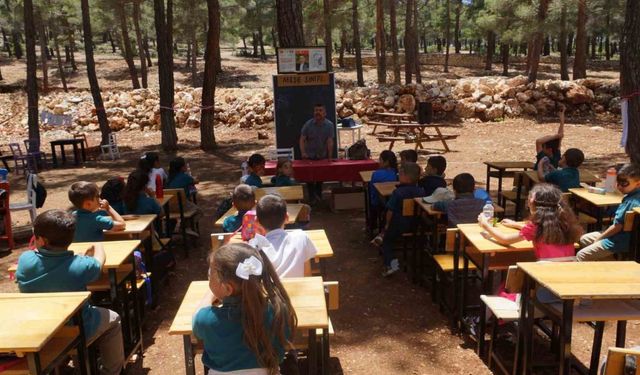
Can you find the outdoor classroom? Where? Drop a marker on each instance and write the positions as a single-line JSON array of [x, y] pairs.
[[405, 187]]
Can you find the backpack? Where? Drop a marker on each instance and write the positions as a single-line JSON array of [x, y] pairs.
[[359, 150], [41, 194]]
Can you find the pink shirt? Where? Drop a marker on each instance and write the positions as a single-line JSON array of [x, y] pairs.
[[545, 250]]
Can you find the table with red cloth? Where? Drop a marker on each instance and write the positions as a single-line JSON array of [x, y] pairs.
[[343, 170]]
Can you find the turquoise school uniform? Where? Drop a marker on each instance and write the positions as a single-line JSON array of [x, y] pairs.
[[254, 180], [282, 180], [619, 243], [220, 328], [233, 223], [46, 271], [565, 178], [145, 205], [90, 226], [181, 181], [554, 159]]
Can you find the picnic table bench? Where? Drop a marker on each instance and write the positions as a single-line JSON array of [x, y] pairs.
[[413, 132]]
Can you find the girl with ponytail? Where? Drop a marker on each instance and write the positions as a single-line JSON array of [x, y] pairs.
[[553, 227], [247, 319]]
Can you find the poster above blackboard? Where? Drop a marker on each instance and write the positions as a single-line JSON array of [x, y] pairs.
[[302, 60]]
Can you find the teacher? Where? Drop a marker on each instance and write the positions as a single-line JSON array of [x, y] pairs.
[[317, 141]]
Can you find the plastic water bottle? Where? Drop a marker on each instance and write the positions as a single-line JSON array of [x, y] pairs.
[[159, 188], [610, 180], [488, 212]]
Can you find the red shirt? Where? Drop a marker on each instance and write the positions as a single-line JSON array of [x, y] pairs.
[[545, 250]]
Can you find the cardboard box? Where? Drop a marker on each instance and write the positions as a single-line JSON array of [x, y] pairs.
[[347, 198]]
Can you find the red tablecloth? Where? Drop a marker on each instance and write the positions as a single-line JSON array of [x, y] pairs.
[[325, 170]]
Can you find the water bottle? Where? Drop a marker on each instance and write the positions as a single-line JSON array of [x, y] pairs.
[[488, 211], [610, 180], [159, 188]]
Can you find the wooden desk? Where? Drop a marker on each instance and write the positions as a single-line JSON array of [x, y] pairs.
[[502, 168], [293, 210], [366, 176], [165, 203], [366, 182], [599, 201], [288, 193], [487, 255], [573, 281], [385, 189], [307, 298], [585, 177], [30, 325], [73, 142], [134, 228]]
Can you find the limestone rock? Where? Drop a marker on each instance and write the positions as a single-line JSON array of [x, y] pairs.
[[406, 103], [580, 95]]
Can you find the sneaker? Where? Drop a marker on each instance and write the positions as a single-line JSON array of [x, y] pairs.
[[393, 268], [377, 241]]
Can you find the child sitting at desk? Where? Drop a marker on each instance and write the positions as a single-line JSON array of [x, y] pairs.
[[602, 246], [434, 174], [93, 215], [243, 200], [465, 207], [553, 227], [397, 223], [408, 156], [112, 191], [256, 164], [53, 268], [387, 172], [288, 251], [180, 177], [548, 147], [246, 319], [284, 173], [136, 200], [567, 176], [150, 164]]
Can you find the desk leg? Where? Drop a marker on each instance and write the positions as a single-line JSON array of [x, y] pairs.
[[33, 361], [82, 344], [54, 158], [325, 352], [486, 289], [394, 134], [312, 358], [500, 175], [84, 152], [456, 308], [188, 355], [367, 209], [64, 156], [523, 352], [76, 155], [489, 180], [621, 333], [595, 350], [565, 337]]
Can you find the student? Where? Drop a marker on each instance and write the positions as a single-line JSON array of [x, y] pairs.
[[287, 251], [150, 164], [408, 156], [136, 200], [93, 215], [53, 268], [180, 178], [464, 209], [244, 200], [600, 246], [434, 174], [397, 224], [553, 227], [112, 191], [246, 319], [284, 174], [567, 176], [387, 172], [256, 164], [548, 147]]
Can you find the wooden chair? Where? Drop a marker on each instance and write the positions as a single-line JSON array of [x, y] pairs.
[[621, 361]]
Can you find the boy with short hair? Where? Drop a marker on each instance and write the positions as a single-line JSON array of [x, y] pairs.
[[243, 200], [256, 163], [548, 147], [434, 174], [602, 246], [465, 208], [93, 215], [287, 251], [53, 268], [408, 156], [396, 223], [567, 176]]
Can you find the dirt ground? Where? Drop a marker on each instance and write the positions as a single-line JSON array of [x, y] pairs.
[[383, 326]]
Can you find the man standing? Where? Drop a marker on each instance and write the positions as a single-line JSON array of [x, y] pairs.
[[316, 141]]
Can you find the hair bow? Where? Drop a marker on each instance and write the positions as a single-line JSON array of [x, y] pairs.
[[250, 266]]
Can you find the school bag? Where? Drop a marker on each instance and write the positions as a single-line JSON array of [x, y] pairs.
[[359, 150], [41, 194]]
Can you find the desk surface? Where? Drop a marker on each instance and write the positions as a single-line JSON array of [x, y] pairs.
[[29, 320], [293, 210], [590, 280], [68, 141], [135, 226], [427, 207], [317, 236], [366, 175], [288, 193], [599, 200], [474, 234], [164, 200], [306, 294], [585, 177], [117, 252], [385, 189], [502, 165]]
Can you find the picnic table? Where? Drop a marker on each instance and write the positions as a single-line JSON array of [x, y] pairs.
[[34, 325], [413, 132], [390, 117], [599, 282], [73, 142], [308, 300], [342, 170]]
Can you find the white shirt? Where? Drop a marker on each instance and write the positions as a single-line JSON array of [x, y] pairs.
[[152, 177], [287, 251]]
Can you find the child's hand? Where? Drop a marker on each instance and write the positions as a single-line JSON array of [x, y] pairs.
[[90, 251], [482, 220], [508, 223], [104, 204]]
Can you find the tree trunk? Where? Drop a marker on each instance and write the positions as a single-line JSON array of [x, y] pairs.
[[43, 52], [32, 83], [534, 57], [547, 46], [126, 43], [140, 43], [63, 77], [356, 42], [263, 54], [594, 42], [254, 43], [456, 33], [408, 42], [630, 75], [491, 49], [416, 47], [570, 44], [17, 47], [187, 64], [327, 8], [274, 40], [447, 26], [343, 44], [580, 61], [381, 54], [91, 74], [564, 64], [147, 53], [207, 135], [504, 52], [5, 41], [165, 73], [607, 41], [289, 18], [394, 42], [113, 43]]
